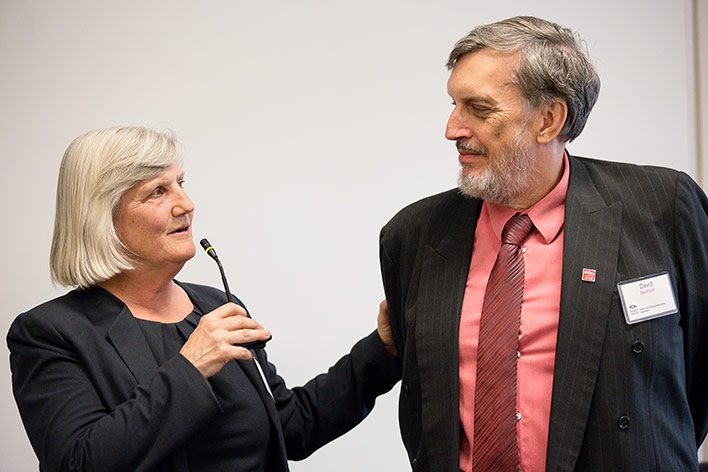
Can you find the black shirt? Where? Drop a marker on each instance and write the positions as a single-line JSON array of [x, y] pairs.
[[243, 413]]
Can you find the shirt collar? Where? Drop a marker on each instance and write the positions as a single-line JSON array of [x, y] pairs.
[[547, 214]]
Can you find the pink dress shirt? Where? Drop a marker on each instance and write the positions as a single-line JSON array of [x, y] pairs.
[[540, 309]]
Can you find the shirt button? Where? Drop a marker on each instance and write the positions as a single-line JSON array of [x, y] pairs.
[[518, 416], [523, 249], [518, 354], [623, 422], [638, 346]]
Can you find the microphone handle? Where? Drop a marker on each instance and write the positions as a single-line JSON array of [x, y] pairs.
[[230, 299], [253, 344]]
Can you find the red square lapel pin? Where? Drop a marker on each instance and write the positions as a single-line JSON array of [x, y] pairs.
[[588, 275]]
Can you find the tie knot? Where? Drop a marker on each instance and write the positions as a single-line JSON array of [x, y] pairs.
[[517, 229]]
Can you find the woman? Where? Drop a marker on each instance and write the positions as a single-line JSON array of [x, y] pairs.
[[133, 370]]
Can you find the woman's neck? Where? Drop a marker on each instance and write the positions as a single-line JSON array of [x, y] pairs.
[[149, 295]]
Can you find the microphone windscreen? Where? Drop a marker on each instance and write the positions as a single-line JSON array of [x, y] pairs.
[[208, 247]]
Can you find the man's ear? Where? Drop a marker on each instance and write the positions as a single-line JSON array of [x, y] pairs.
[[553, 115]]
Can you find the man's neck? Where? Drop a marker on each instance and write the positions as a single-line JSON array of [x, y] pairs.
[[548, 173]]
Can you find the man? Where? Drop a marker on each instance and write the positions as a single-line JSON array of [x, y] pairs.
[[579, 342]]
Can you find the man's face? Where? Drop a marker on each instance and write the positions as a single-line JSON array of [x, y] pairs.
[[491, 126]]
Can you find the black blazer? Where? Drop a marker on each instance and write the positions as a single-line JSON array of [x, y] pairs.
[[625, 397], [92, 397]]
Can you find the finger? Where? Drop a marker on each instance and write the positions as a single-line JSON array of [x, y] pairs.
[[382, 317], [243, 336], [233, 323], [241, 354], [226, 310], [383, 307]]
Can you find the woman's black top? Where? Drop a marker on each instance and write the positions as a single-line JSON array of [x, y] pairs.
[[212, 449]]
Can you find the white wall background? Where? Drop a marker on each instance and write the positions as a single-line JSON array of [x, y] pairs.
[[700, 8], [700, 12], [305, 125]]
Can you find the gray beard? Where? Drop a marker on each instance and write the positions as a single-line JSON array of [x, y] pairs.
[[505, 178]]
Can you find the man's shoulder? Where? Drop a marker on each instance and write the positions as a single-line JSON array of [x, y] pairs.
[[640, 188], [426, 220], [421, 212], [616, 170]]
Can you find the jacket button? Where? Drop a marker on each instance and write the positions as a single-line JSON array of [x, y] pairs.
[[638, 346], [415, 459], [404, 390], [623, 422]]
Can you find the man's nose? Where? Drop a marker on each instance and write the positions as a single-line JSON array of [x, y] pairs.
[[456, 128]]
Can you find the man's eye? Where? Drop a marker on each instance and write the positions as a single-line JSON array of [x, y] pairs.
[[481, 111], [181, 183]]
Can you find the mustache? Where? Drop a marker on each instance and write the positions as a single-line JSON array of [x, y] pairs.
[[463, 145]]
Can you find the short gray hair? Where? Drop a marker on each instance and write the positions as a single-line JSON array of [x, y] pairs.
[[97, 168], [553, 63]]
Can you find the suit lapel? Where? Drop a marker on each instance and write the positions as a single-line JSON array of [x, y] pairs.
[[128, 340], [591, 240], [443, 276]]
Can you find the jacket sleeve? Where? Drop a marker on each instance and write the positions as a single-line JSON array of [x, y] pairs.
[[691, 239], [66, 419], [333, 403]]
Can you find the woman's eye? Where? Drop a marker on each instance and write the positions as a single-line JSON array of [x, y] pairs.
[[157, 192], [181, 183]]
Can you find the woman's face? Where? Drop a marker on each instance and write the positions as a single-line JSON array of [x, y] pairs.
[[154, 221]]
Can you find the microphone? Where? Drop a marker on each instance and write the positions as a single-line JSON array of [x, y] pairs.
[[212, 253], [209, 249]]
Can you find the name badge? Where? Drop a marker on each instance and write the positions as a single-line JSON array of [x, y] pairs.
[[647, 297]]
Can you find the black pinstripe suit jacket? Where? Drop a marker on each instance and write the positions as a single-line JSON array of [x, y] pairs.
[[623, 220]]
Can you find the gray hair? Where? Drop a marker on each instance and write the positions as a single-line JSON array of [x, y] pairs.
[[553, 63], [97, 168]]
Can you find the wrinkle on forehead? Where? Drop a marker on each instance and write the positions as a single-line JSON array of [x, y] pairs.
[[486, 75]]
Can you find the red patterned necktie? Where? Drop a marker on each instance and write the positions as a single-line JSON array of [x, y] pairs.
[[495, 442]]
